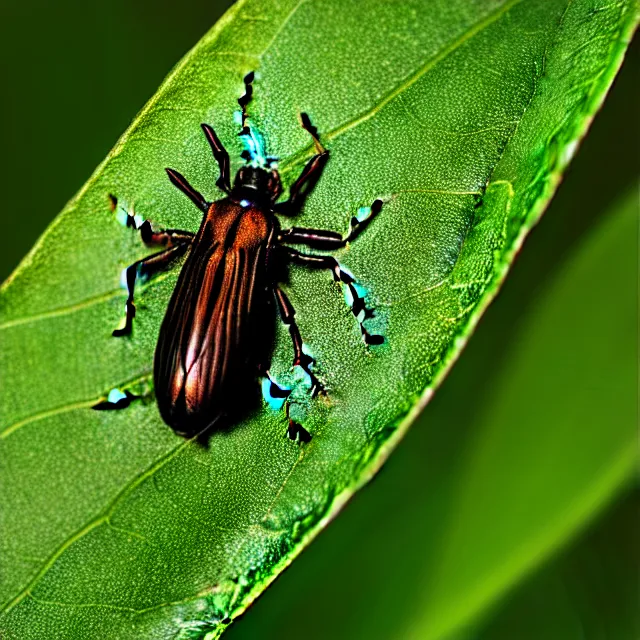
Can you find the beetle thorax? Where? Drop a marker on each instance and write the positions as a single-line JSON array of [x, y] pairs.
[[256, 184]]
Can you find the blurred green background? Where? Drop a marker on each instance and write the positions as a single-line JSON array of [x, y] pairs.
[[74, 75]]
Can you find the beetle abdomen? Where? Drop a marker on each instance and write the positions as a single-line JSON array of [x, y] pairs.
[[205, 350]]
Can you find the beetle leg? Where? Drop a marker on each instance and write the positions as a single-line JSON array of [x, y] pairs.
[[145, 268], [303, 185], [115, 402], [277, 396], [300, 358], [166, 237], [295, 430], [178, 180], [221, 156], [358, 305], [309, 176], [322, 239]]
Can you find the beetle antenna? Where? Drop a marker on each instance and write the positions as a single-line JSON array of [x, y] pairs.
[[244, 100]]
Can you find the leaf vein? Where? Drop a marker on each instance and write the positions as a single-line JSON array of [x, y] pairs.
[[73, 406], [103, 518], [410, 81], [84, 304]]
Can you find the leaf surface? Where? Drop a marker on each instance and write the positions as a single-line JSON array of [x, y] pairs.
[[482, 494], [461, 117]]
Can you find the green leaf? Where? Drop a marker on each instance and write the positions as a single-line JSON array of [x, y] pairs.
[[461, 117], [483, 493]]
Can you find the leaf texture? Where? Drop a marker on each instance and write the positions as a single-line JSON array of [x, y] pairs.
[[461, 116]]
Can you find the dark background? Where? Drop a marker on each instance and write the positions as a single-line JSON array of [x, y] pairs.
[[75, 74]]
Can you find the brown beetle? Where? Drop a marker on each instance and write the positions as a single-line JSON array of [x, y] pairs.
[[216, 334]]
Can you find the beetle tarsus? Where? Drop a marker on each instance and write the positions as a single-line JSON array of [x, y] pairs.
[[300, 358], [313, 131], [304, 361], [130, 310], [358, 305], [121, 403], [295, 431], [147, 267]]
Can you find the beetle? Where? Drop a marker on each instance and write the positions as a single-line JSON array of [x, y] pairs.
[[218, 328]]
